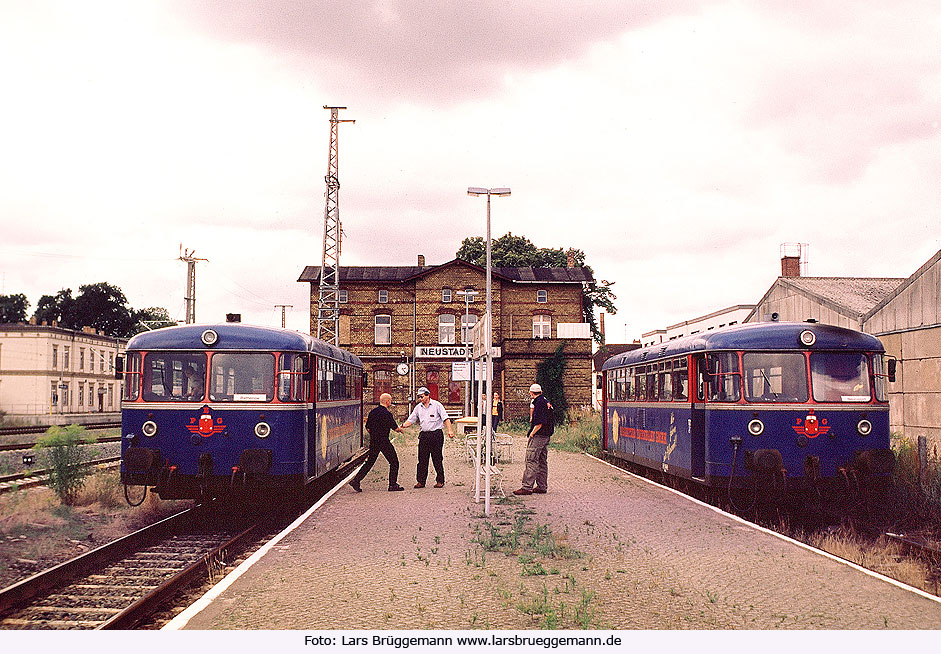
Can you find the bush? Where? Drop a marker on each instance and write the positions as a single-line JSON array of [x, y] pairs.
[[582, 435], [61, 452]]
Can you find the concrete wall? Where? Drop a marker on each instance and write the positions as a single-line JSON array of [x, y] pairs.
[[792, 305]]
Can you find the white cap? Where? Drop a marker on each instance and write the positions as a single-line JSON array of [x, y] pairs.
[[535, 388], [422, 391]]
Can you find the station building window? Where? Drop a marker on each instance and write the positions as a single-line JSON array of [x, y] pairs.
[[542, 296], [446, 329], [383, 329], [383, 296], [467, 324], [382, 383], [445, 295], [542, 326], [343, 296]]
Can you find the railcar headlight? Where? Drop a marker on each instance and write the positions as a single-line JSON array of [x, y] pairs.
[[209, 337], [808, 338], [149, 429], [864, 427], [756, 427], [262, 430]]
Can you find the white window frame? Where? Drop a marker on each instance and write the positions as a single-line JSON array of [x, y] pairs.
[[468, 320], [542, 296], [446, 325], [542, 326], [385, 326], [446, 295], [383, 296], [343, 296]]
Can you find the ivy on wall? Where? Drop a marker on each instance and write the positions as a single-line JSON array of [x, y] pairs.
[[549, 375]]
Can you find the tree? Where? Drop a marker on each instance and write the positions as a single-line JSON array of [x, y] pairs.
[[13, 308], [152, 318], [519, 251], [58, 308], [100, 305]]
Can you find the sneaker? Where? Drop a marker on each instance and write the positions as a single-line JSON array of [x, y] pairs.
[[355, 486], [541, 491], [396, 487], [440, 484], [522, 491], [419, 485]]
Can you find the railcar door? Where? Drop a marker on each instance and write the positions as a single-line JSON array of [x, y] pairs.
[[697, 423], [313, 425]]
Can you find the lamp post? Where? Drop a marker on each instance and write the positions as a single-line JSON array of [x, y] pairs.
[[488, 337], [468, 294]]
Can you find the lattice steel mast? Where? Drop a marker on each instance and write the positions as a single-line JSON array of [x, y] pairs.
[[328, 305]]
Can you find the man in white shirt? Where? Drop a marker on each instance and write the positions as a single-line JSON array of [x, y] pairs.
[[430, 415]]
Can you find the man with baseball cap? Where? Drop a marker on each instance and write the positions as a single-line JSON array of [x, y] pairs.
[[431, 417], [536, 474]]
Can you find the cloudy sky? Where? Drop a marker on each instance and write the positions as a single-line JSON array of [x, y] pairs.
[[677, 143]]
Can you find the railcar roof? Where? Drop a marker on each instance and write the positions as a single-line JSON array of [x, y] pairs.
[[236, 336], [752, 336]]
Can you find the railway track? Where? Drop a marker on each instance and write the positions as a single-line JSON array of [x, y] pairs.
[[117, 585], [11, 431], [125, 583], [32, 478]]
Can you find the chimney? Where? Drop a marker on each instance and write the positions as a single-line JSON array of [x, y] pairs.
[[601, 326], [570, 259], [792, 256], [790, 267], [421, 260]]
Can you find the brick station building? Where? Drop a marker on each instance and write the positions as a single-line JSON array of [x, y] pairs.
[[408, 325]]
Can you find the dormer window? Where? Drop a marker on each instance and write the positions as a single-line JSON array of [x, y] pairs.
[[542, 296]]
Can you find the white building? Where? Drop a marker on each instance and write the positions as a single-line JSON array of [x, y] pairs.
[[52, 375], [715, 320]]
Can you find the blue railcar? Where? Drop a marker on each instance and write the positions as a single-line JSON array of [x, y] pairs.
[[787, 405], [232, 409]]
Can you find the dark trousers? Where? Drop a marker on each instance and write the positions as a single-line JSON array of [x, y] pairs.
[[377, 445], [430, 444]]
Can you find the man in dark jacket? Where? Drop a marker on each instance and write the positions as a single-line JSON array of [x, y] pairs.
[[541, 426], [379, 423]]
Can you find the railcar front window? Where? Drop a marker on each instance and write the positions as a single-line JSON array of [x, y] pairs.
[[723, 379], [174, 377], [242, 377], [775, 377], [840, 377]]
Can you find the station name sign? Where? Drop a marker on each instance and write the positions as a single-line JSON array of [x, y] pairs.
[[448, 351], [442, 351]]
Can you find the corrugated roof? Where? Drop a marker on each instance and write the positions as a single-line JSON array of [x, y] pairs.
[[857, 294]]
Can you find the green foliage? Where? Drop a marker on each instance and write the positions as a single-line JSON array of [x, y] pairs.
[[152, 318], [519, 251], [60, 451], [549, 376], [580, 434], [914, 492], [101, 306], [13, 308]]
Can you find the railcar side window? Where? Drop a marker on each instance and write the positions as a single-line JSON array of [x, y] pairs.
[[724, 379], [132, 376], [680, 380], [775, 376], [840, 377], [174, 377], [242, 377], [664, 383], [879, 375], [291, 386]]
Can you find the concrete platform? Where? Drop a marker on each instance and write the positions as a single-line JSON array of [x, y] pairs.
[[602, 550]]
